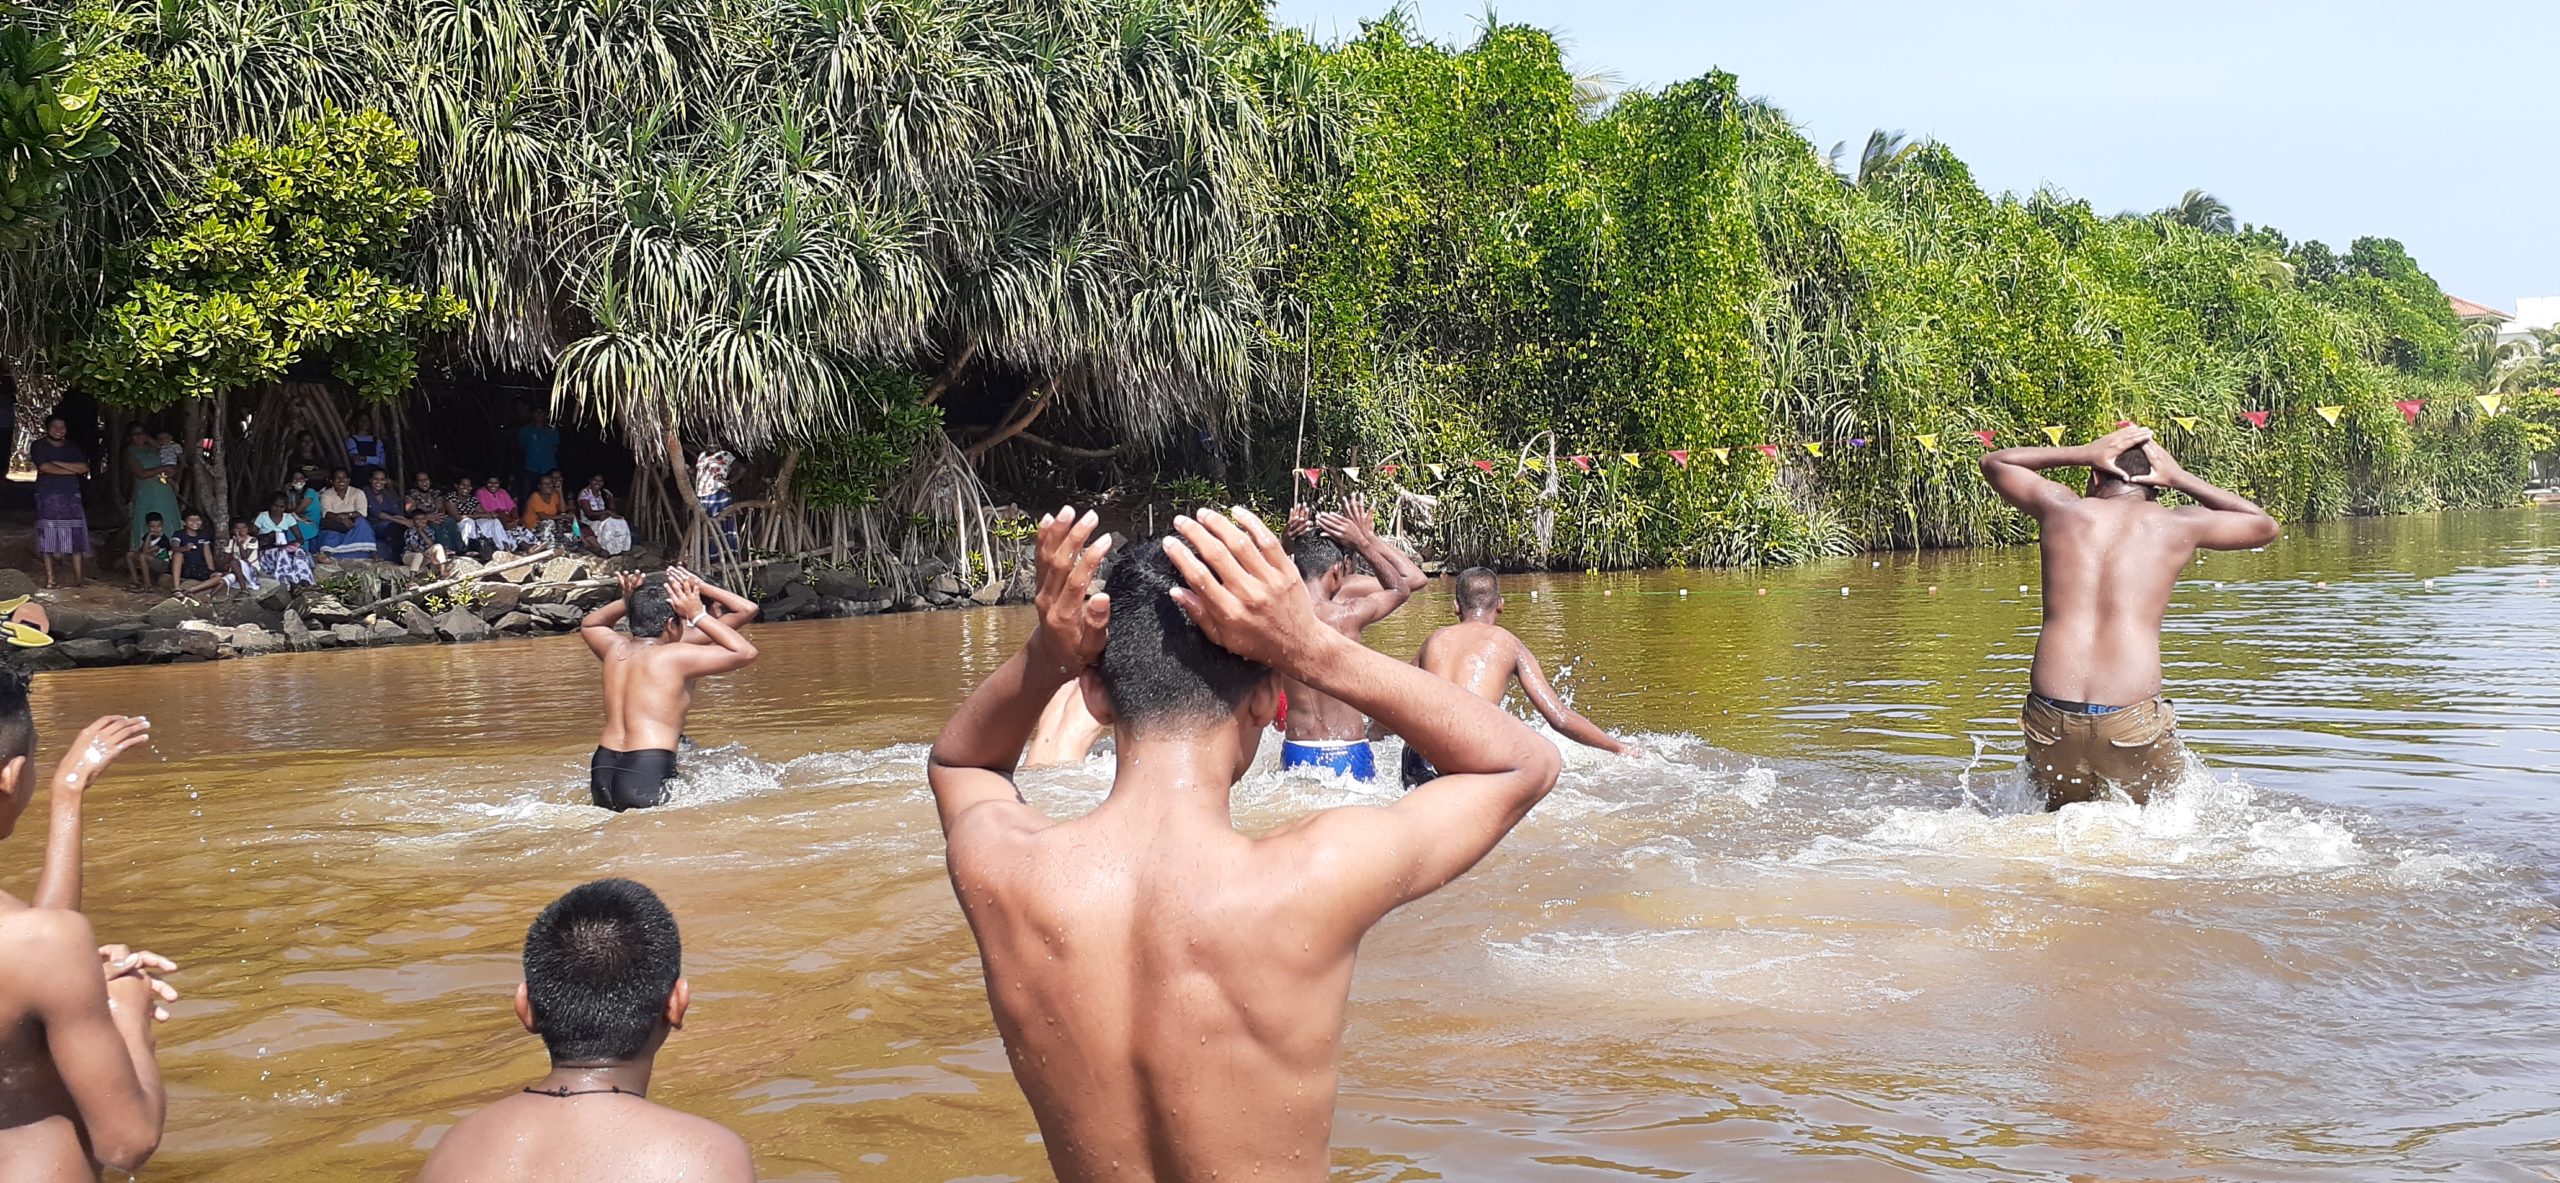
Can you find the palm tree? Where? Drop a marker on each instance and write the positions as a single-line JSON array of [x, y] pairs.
[[2492, 366], [2202, 211], [1884, 152]]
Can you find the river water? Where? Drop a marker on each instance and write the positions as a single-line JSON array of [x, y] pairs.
[[1812, 938]]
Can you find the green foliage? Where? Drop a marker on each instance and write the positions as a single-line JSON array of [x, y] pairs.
[[51, 124], [853, 468], [274, 255]]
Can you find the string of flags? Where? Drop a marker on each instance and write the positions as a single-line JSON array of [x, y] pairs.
[[1588, 462]]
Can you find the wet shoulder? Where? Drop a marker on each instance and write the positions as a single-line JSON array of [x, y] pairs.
[[43, 939]]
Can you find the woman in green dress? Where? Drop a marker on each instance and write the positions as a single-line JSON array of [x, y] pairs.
[[155, 475]]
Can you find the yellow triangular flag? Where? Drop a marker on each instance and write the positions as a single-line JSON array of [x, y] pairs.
[[2186, 423], [2330, 413], [1929, 440], [1438, 471], [1351, 473], [1537, 465], [2053, 431], [1722, 454], [2489, 402], [1813, 447], [1633, 461]]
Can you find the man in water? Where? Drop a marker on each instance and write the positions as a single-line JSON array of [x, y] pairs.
[[602, 986], [648, 683], [1485, 658], [79, 1073], [2096, 718], [1170, 991], [1323, 732]]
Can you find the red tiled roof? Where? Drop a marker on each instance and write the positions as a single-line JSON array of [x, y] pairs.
[[2468, 310]]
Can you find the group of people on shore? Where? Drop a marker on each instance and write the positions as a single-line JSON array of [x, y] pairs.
[[1170, 992]]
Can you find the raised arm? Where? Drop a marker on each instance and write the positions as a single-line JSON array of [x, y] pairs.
[[2222, 519], [725, 650], [1398, 576], [734, 610], [2017, 474], [1568, 722], [1246, 596], [92, 752], [596, 628], [98, 1033], [974, 758]]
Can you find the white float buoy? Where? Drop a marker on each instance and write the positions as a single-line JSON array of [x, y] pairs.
[[1844, 591], [2022, 589], [1684, 593], [1933, 589], [1764, 591]]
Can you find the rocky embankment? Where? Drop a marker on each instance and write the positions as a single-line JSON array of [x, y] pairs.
[[361, 605]]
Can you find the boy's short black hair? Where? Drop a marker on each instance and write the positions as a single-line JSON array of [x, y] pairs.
[[651, 610], [17, 719], [1478, 589], [1317, 554], [2134, 461], [599, 964], [1158, 665], [154, 516]]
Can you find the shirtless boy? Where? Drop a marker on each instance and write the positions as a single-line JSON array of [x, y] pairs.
[[602, 987], [79, 1075], [648, 682], [2096, 719], [1324, 732], [1485, 658], [1171, 992]]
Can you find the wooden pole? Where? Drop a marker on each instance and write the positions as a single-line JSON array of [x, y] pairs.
[[474, 577]]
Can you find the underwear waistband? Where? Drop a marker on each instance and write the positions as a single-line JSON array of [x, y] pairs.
[[2078, 708]]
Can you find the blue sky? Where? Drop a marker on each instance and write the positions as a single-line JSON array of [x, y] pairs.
[[2327, 120]]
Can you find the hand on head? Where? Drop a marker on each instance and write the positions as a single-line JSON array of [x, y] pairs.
[[1074, 620], [2165, 469], [2106, 448], [630, 581], [1351, 524], [1301, 520], [134, 975], [1244, 592], [97, 746], [684, 594]]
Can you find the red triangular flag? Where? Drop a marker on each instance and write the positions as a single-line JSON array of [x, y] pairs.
[[1388, 470], [1313, 475], [2256, 419], [1582, 462], [1485, 465], [2409, 408], [1681, 455], [2124, 423], [1769, 450], [1986, 437]]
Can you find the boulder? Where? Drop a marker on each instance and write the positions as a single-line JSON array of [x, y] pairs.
[[120, 631], [838, 583], [175, 644], [327, 609], [91, 651], [14, 583], [37, 661], [466, 567], [460, 625], [385, 632], [249, 640], [562, 570], [352, 635], [497, 599], [555, 615], [68, 621], [947, 584], [773, 577], [797, 601], [297, 635], [275, 597], [170, 613], [988, 596], [1022, 587], [240, 612], [515, 623], [915, 604], [519, 574], [855, 607], [416, 621]]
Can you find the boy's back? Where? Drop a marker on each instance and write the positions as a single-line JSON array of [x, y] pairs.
[[598, 1138], [1479, 655], [57, 1030]]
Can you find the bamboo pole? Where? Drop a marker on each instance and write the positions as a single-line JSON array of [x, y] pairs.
[[441, 584]]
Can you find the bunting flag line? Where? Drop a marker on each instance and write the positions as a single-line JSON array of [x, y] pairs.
[[1986, 436], [1484, 465], [1582, 462], [1438, 471], [1680, 456], [1859, 442], [2186, 423], [1632, 459], [1534, 464], [1929, 441], [2257, 419], [1769, 450], [2053, 431], [2330, 413], [1388, 471], [1351, 473], [1813, 447], [1314, 476], [2489, 402], [2409, 408], [1722, 454]]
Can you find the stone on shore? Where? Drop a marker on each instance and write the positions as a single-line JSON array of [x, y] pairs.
[[459, 625], [169, 613], [555, 615], [988, 596], [327, 609], [249, 640], [352, 635], [417, 622], [14, 583], [179, 644], [515, 623], [297, 635], [497, 599], [385, 632], [91, 651]]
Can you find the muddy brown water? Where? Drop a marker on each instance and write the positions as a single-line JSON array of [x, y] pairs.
[[1815, 938]]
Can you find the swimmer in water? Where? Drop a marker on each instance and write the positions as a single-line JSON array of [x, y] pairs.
[[82, 1076], [648, 682], [1170, 991], [2096, 718], [1322, 731], [1480, 655], [603, 987]]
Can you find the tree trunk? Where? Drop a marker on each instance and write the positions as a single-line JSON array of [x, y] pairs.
[[1020, 424], [950, 373]]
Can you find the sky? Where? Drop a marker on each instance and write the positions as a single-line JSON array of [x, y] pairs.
[[2325, 120]]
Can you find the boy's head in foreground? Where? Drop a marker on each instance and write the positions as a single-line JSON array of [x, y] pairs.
[[603, 975], [1161, 677]]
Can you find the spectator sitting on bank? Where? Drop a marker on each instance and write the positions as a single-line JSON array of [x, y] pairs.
[[306, 507], [481, 533], [546, 516], [150, 551], [281, 557], [192, 567], [387, 511], [344, 532], [62, 521], [606, 532], [240, 557], [435, 535], [497, 515]]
